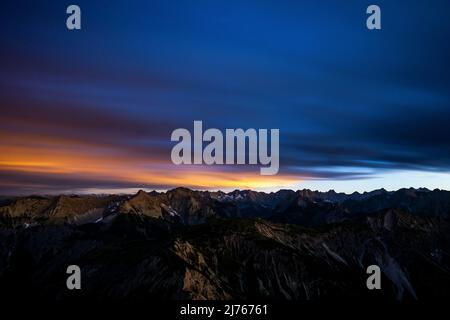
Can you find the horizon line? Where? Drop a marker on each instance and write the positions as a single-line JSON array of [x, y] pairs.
[[210, 191]]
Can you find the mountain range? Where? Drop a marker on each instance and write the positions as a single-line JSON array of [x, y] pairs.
[[186, 244]]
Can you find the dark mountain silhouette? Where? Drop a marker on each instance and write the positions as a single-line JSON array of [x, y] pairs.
[[185, 244]]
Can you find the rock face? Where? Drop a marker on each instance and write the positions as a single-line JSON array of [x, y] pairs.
[[60, 209], [143, 203], [180, 205], [185, 244]]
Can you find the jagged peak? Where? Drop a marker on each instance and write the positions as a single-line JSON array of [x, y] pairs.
[[181, 190], [141, 192]]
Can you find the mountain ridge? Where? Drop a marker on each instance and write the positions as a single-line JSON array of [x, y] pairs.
[[186, 244], [193, 207]]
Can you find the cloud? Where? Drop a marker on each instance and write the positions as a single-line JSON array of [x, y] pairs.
[[95, 109]]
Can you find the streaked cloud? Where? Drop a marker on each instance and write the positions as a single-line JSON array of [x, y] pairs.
[[94, 110]]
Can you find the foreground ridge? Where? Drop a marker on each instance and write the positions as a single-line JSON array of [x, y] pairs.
[[185, 244]]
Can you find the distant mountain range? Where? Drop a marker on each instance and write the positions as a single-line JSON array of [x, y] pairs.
[[185, 244], [190, 207]]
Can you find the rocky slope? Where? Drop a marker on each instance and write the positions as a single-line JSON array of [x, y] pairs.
[[185, 244], [135, 256]]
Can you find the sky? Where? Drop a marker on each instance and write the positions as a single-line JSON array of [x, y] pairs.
[[92, 110]]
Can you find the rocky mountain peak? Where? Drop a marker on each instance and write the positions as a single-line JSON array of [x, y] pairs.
[[142, 203]]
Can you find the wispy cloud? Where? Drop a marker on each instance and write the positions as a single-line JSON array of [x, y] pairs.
[[95, 109]]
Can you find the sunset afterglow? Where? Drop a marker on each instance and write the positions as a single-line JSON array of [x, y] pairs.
[[94, 109]]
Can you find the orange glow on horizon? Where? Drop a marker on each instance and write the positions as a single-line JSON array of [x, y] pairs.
[[79, 161]]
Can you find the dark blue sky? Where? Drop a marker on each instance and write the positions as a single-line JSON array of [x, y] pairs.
[[93, 109]]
